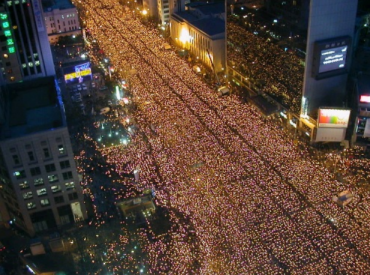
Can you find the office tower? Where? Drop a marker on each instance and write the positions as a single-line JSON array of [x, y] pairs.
[[25, 48], [38, 167], [301, 75]]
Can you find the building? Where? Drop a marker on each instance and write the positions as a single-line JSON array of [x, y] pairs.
[[164, 11], [362, 112], [38, 170], [61, 19], [201, 30], [139, 208], [304, 72], [25, 49]]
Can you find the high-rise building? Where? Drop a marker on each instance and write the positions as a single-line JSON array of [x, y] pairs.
[[297, 54], [38, 172], [25, 48]]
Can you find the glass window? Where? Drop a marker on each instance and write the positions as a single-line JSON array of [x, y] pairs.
[[59, 199], [56, 188], [70, 185], [35, 171], [24, 185], [38, 181], [20, 174], [50, 167], [53, 178], [31, 157], [41, 192], [67, 175], [65, 164], [72, 196], [46, 152], [61, 149], [27, 195], [44, 202], [31, 205], [16, 159]]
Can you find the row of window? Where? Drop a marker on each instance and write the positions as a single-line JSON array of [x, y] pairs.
[[46, 202], [51, 179], [51, 18], [36, 171], [43, 192], [31, 156]]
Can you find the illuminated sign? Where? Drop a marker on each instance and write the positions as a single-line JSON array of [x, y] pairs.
[[330, 57], [333, 59], [78, 71], [333, 118], [365, 98]]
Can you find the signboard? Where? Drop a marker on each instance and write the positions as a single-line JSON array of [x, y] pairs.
[[365, 98], [333, 118], [367, 128], [330, 57], [333, 59], [330, 134], [79, 72]]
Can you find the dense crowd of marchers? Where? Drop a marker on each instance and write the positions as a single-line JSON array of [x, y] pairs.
[[257, 204]]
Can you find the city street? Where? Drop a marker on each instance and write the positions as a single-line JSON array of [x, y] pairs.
[[242, 197]]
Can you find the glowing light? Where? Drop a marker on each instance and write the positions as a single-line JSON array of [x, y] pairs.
[[184, 36]]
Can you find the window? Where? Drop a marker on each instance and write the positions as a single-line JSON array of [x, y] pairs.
[[20, 174], [61, 149], [64, 164], [41, 192], [44, 202], [67, 175], [16, 159], [35, 171], [53, 178], [59, 199], [38, 181], [31, 157], [46, 152], [56, 188], [70, 185], [72, 196], [27, 195], [31, 205], [24, 185], [50, 167]]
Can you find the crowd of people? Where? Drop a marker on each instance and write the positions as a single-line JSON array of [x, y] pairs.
[[256, 202], [275, 71]]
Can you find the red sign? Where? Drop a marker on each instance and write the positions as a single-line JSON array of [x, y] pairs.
[[365, 98]]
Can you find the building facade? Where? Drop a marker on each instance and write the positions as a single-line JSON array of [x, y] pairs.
[[25, 49], [61, 19], [38, 161], [201, 30]]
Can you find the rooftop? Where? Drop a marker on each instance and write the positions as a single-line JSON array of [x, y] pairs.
[[50, 5], [209, 23], [31, 106]]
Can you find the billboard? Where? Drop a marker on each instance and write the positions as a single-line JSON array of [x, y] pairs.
[[77, 73], [331, 57], [333, 118], [330, 134], [365, 98], [367, 128]]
